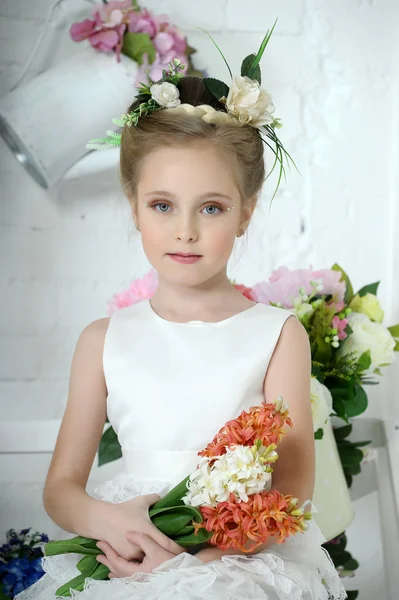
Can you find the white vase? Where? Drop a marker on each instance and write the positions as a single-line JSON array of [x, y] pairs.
[[48, 121], [331, 495]]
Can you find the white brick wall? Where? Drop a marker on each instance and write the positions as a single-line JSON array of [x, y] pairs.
[[332, 70]]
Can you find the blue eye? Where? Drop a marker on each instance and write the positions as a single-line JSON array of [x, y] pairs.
[[166, 206], [213, 206], [161, 204]]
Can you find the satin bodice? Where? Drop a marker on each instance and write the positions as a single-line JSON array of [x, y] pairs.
[[172, 386]]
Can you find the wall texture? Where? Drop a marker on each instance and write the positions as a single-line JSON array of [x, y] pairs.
[[331, 68]]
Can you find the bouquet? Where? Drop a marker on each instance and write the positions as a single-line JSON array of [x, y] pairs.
[[20, 561], [150, 40], [227, 501]]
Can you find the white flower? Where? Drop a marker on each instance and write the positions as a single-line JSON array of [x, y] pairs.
[[368, 335], [165, 94], [239, 471], [321, 401], [250, 103]]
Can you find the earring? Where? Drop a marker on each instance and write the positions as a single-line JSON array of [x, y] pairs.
[[240, 233], [137, 228]]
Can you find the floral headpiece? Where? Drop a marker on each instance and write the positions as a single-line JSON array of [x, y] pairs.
[[245, 103]]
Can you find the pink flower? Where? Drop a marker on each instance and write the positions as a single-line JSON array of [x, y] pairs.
[[111, 14], [146, 22], [339, 325], [179, 43], [107, 39], [140, 289], [81, 31], [163, 42], [284, 285]]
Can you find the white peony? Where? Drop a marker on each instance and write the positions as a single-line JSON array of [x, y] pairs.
[[249, 103], [165, 94], [321, 400], [239, 471], [368, 335]]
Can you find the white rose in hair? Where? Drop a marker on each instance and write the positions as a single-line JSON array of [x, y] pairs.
[[250, 103], [165, 94], [368, 335], [321, 401]]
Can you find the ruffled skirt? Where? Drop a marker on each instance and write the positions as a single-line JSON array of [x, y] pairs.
[[299, 569]]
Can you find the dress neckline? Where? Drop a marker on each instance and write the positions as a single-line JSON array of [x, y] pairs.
[[201, 323]]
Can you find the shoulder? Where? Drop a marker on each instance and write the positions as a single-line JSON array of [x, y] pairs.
[[94, 333], [293, 332]]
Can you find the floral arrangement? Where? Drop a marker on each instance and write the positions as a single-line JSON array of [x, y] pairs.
[[123, 27], [20, 561], [227, 501], [349, 345], [244, 102]]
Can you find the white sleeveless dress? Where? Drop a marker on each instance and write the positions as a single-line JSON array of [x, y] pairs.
[[171, 386]]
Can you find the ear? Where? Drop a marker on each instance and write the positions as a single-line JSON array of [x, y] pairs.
[[247, 211]]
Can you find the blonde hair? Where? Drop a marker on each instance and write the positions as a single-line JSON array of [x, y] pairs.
[[200, 117]]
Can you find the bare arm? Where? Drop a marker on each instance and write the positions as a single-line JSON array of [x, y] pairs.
[[64, 496], [288, 375]]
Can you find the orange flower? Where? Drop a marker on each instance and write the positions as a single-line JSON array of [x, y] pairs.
[[264, 423], [234, 523]]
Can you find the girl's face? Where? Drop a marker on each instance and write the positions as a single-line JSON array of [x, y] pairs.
[[190, 192]]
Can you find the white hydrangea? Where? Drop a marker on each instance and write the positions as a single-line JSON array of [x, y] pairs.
[[241, 471]]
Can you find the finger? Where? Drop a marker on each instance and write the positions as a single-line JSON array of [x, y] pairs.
[[115, 563], [162, 539], [151, 498], [112, 575], [104, 561], [146, 543]]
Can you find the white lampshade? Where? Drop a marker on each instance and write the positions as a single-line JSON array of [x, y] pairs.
[[331, 495], [47, 122]]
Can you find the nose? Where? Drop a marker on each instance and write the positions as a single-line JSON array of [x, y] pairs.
[[187, 229]]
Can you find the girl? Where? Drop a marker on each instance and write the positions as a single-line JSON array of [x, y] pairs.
[[170, 371]]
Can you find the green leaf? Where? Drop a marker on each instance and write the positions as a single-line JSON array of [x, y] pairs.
[[342, 432], [351, 565], [394, 330], [246, 67], [217, 88], [261, 50], [396, 347], [172, 498], [135, 45], [369, 289], [194, 539], [109, 448], [339, 407], [351, 457], [319, 434], [364, 361], [172, 522], [352, 594], [345, 278], [358, 403]]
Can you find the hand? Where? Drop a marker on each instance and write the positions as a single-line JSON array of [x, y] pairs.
[[153, 556], [133, 516]]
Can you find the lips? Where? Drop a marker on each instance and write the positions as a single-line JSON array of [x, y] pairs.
[[183, 255]]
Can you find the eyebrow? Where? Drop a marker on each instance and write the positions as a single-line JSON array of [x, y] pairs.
[[202, 197]]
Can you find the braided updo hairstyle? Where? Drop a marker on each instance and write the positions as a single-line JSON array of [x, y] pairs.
[[242, 144]]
